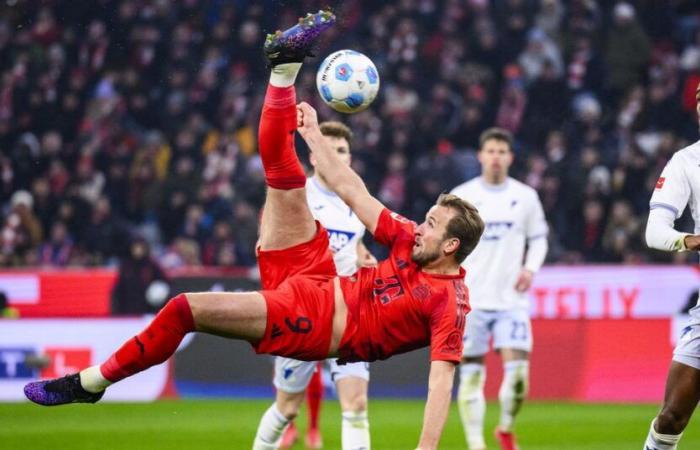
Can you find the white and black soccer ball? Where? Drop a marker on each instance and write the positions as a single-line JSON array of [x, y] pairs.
[[348, 81]]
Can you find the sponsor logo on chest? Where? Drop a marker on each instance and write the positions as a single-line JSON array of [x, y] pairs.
[[339, 239]]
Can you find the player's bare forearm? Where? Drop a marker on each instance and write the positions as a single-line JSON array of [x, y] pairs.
[[339, 177], [438, 405]]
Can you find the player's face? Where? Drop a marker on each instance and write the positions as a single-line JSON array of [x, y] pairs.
[[341, 146], [495, 158], [430, 236]]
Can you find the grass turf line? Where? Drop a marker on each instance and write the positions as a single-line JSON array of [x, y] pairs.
[[231, 425]]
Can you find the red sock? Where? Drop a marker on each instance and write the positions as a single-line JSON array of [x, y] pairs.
[[314, 395], [278, 124], [153, 345]]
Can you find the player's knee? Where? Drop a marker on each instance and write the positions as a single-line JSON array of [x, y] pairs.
[[178, 311], [670, 422], [289, 410], [356, 403], [192, 300], [289, 404]]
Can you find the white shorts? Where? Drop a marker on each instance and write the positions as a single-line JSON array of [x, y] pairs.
[[688, 347], [508, 328], [292, 376]]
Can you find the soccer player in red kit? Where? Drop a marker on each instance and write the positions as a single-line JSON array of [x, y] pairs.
[[305, 311]]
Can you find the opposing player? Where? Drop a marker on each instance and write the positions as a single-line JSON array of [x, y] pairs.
[[293, 377], [678, 186], [415, 298], [500, 273]]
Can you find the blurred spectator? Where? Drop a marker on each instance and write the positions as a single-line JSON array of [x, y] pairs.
[[21, 232], [57, 251], [621, 232], [182, 252], [585, 67], [105, 233], [220, 249], [626, 66], [540, 52], [592, 231], [137, 272], [392, 191]]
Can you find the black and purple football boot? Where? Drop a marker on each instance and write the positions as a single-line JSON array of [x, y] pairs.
[[60, 391], [294, 44]]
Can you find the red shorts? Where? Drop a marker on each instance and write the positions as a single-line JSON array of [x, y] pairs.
[[298, 288]]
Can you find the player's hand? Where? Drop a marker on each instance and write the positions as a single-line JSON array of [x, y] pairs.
[[692, 242], [366, 260], [307, 120], [524, 280]]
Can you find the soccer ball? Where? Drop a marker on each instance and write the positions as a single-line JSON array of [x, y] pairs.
[[347, 81]]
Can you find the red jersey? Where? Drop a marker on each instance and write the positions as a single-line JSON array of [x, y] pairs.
[[396, 307]]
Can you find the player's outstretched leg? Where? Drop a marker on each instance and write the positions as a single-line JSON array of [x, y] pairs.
[[234, 315], [286, 219], [152, 346], [681, 398]]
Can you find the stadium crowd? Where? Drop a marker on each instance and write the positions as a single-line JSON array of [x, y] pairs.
[[137, 119]]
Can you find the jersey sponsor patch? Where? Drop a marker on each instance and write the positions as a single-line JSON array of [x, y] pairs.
[[496, 230], [399, 217], [339, 239], [660, 182]]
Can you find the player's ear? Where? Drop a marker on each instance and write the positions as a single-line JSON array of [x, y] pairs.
[[480, 155], [511, 156], [450, 245], [312, 159]]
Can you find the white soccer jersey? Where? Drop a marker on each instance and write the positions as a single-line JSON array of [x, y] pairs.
[[344, 228], [679, 184], [513, 216]]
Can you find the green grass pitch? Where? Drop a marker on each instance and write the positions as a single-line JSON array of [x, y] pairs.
[[231, 424]]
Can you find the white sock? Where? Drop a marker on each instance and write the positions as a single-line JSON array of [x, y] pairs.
[[92, 380], [472, 404], [284, 75], [513, 391], [656, 441], [270, 429], [355, 434]]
